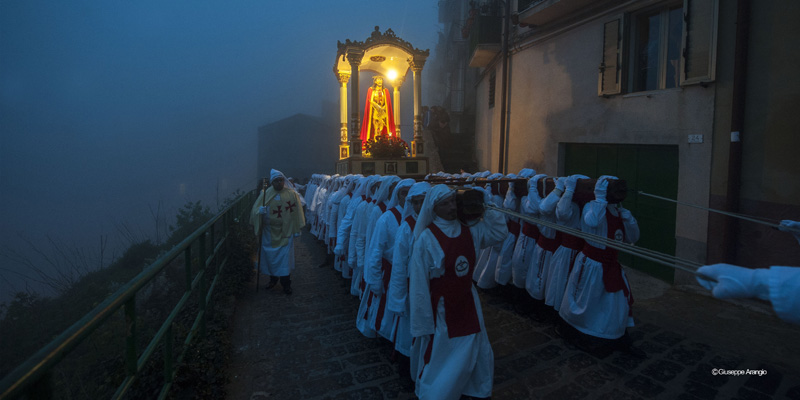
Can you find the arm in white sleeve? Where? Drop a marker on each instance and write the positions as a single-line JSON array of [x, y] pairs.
[[491, 230], [784, 292], [372, 219], [593, 212], [398, 283], [631, 226], [343, 232], [374, 253], [361, 242], [564, 209], [352, 248], [548, 205]]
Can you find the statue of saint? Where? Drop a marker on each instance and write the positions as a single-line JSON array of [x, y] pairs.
[[378, 113]]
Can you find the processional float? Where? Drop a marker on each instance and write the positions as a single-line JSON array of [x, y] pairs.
[[371, 144]]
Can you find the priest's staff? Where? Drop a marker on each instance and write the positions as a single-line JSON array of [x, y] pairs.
[[261, 230]]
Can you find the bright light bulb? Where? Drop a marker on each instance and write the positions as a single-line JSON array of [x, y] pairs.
[[391, 74]]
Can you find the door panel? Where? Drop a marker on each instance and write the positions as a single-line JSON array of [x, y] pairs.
[[651, 169]]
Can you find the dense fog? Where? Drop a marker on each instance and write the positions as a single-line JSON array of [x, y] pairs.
[[113, 115]]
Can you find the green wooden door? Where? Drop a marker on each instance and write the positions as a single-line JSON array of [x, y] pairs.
[[651, 169]]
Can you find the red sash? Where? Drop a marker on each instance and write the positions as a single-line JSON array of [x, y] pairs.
[[411, 222], [572, 242], [382, 206], [397, 215], [548, 244], [513, 227], [530, 230], [460, 315]]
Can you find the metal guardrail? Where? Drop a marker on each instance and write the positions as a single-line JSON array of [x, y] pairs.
[[34, 376]]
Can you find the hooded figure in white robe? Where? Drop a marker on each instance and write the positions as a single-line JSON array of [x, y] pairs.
[[598, 298], [341, 212], [487, 258], [345, 249], [547, 243], [568, 214], [379, 206], [397, 295], [278, 216], [378, 265], [512, 203], [529, 233], [445, 308], [355, 255]]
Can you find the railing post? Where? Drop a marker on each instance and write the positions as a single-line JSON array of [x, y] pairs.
[[187, 264], [168, 354], [202, 284], [130, 335], [213, 247]]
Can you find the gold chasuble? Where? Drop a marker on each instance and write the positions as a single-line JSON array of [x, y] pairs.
[[285, 216]]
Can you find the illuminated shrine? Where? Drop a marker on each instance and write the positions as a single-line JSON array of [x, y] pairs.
[[370, 141]]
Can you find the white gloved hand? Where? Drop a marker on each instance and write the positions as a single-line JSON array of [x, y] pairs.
[[262, 210], [601, 188], [338, 250], [561, 183], [792, 227], [376, 289], [735, 282], [625, 214], [571, 183]]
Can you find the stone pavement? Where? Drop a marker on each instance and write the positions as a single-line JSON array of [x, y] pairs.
[[306, 346]]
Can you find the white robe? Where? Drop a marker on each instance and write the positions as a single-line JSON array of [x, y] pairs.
[[381, 247], [341, 262], [502, 273], [784, 292], [397, 296], [567, 214], [461, 365], [539, 263], [587, 306], [523, 253], [486, 264]]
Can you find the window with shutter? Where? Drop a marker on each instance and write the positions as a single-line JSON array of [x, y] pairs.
[[698, 60], [670, 44], [610, 74]]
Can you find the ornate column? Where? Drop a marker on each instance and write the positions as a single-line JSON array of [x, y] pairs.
[[344, 146], [417, 145], [354, 58], [397, 83]]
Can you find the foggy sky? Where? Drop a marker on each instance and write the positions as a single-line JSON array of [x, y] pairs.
[[108, 108]]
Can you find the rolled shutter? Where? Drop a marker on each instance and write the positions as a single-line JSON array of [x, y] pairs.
[[610, 75], [699, 45]]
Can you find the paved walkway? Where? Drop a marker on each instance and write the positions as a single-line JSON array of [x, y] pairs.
[[306, 346]]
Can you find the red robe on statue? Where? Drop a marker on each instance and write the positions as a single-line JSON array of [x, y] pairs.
[[368, 128]]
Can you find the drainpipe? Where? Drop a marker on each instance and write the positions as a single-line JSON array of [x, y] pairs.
[[738, 97], [504, 91]]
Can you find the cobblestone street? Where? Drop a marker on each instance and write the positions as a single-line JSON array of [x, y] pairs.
[[306, 346]]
